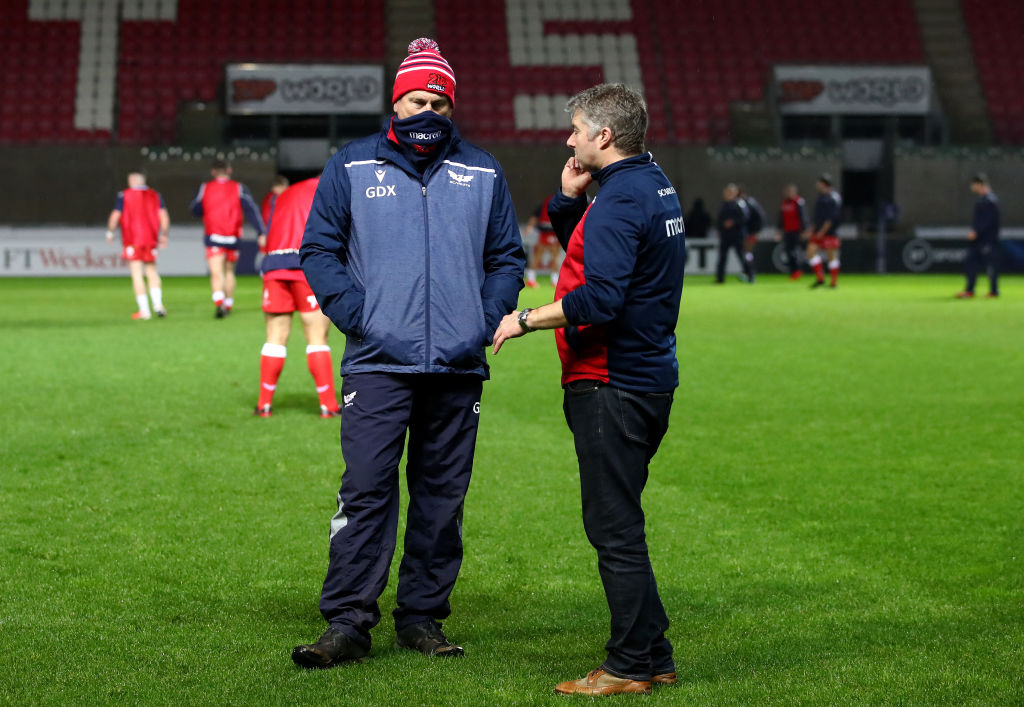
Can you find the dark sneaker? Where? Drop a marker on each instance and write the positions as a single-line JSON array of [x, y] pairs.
[[220, 312], [332, 648], [817, 283], [161, 312], [327, 412], [428, 638], [264, 411]]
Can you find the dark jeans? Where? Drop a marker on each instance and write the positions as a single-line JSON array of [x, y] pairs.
[[616, 434], [983, 254], [725, 244], [441, 413]]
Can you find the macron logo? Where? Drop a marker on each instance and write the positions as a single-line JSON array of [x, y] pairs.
[[674, 227], [380, 175], [349, 398]]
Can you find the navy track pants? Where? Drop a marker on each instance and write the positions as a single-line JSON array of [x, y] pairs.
[[440, 413]]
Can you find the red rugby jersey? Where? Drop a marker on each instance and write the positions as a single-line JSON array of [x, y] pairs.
[[291, 209], [140, 216], [222, 207]]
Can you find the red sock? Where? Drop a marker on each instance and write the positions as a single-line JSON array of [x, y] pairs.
[[834, 272], [319, 360], [271, 365], [819, 271]]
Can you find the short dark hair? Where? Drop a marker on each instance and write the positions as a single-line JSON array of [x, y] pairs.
[[980, 178], [280, 180], [220, 165], [617, 107], [825, 178]]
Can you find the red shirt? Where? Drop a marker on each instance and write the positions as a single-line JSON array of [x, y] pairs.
[[543, 220], [588, 358], [291, 209], [791, 215], [222, 207], [140, 216]]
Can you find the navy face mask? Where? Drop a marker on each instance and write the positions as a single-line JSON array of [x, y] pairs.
[[422, 136]]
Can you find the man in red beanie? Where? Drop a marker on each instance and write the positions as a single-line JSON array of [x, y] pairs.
[[412, 249]]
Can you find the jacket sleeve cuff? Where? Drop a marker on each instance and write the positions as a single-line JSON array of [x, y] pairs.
[[571, 308]]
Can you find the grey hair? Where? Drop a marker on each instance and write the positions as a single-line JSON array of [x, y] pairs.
[[617, 107]]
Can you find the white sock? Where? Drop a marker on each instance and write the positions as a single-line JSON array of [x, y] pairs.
[[531, 275], [833, 264], [217, 296], [229, 302], [274, 350], [157, 295], [143, 305], [814, 261], [749, 257], [554, 279]]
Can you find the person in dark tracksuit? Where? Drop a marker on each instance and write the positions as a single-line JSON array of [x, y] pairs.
[[412, 249], [983, 249], [755, 222], [791, 224], [732, 230], [615, 313]]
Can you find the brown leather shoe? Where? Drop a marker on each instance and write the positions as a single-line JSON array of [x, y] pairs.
[[598, 682], [664, 679]]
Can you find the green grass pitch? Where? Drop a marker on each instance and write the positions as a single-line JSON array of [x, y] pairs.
[[835, 517]]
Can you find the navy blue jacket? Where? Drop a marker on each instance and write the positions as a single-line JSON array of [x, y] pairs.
[[732, 211], [986, 218], [416, 270], [755, 215], [828, 207], [622, 278]]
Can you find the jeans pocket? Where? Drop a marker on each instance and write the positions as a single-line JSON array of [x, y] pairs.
[[631, 416], [582, 387]]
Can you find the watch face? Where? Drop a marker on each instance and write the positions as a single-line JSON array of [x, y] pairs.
[[522, 319]]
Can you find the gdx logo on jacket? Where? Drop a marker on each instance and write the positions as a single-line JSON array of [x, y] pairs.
[[416, 270]]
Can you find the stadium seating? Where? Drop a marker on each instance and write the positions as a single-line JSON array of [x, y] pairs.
[[60, 58], [693, 58], [76, 71], [995, 27]]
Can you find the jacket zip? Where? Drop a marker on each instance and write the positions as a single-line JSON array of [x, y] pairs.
[[426, 284]]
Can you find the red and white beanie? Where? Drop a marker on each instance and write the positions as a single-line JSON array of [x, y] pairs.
[[424, 70]]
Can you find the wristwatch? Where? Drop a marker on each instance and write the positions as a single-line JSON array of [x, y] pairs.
[[522, 320]]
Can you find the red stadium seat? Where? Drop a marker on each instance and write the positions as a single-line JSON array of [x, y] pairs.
[[995, 28], [161, 62]]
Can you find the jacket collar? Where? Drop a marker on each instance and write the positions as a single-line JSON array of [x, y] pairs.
[[606, 173], [388, 149]]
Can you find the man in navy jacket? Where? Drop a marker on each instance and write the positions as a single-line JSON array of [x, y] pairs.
[[615, 313], [732, 232], [983, 248], [412, 249]]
